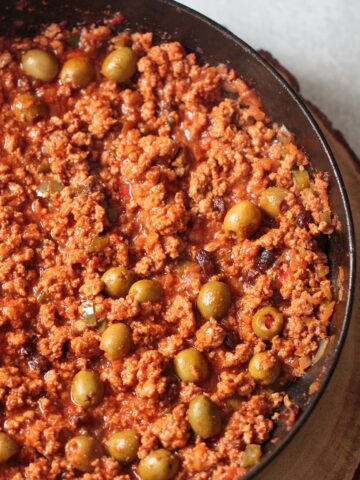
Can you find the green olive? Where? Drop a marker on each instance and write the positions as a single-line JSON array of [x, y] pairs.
[[264, 367], [252, 455], [214, 300], [302, 179], [78, 71], [117, 281], [146, 290], [27, 108], [234, 402], [119, 65], [123, 446], [158, 465], [8, 447], [116, 341], [87, 389], [204, 417], [267, 322], [81, 451], [98, 243], [191, 366], [40, 65], [244, 219], [271, 200]]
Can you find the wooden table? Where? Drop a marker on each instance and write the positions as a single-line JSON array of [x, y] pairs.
[[328, 446]]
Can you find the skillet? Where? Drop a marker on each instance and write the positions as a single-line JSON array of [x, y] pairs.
[[214, 44]]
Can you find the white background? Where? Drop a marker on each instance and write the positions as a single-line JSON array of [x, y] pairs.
[[317, 40]]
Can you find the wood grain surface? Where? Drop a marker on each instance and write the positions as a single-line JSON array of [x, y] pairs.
[[328, 446]]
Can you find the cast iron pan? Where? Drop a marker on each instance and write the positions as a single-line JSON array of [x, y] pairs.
[[214, 44]]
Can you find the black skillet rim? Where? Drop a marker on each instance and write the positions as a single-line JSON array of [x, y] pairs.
[[341, 336]]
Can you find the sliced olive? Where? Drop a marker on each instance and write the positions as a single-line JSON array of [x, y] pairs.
[[252, 456], [302, 179], [244, 219], [267, 322], [204, 417], [8, 447], [40, 65], [118, 281], [116, 341], [158, 465], [264, 367], [87, 389], [191, 366], [123, 446], [214, 300], [119, 65], [81, 451], [271, 200], [78, 71], [27, 108], [146, 290]]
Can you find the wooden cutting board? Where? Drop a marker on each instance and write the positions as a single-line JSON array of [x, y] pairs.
[[328, 446]]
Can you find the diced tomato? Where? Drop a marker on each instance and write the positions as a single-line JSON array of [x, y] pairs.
[[125, 190], [107, 304], [281, 279], [98, 260]]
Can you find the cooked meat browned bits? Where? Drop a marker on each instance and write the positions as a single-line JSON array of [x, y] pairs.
[[161, 267]]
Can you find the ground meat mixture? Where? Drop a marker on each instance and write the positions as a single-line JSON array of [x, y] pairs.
[[161, 271]]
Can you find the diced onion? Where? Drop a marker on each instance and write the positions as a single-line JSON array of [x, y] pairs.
[[88, 312], [321, 350]]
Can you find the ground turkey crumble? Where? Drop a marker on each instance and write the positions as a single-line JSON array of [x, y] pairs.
[[153, 164]]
